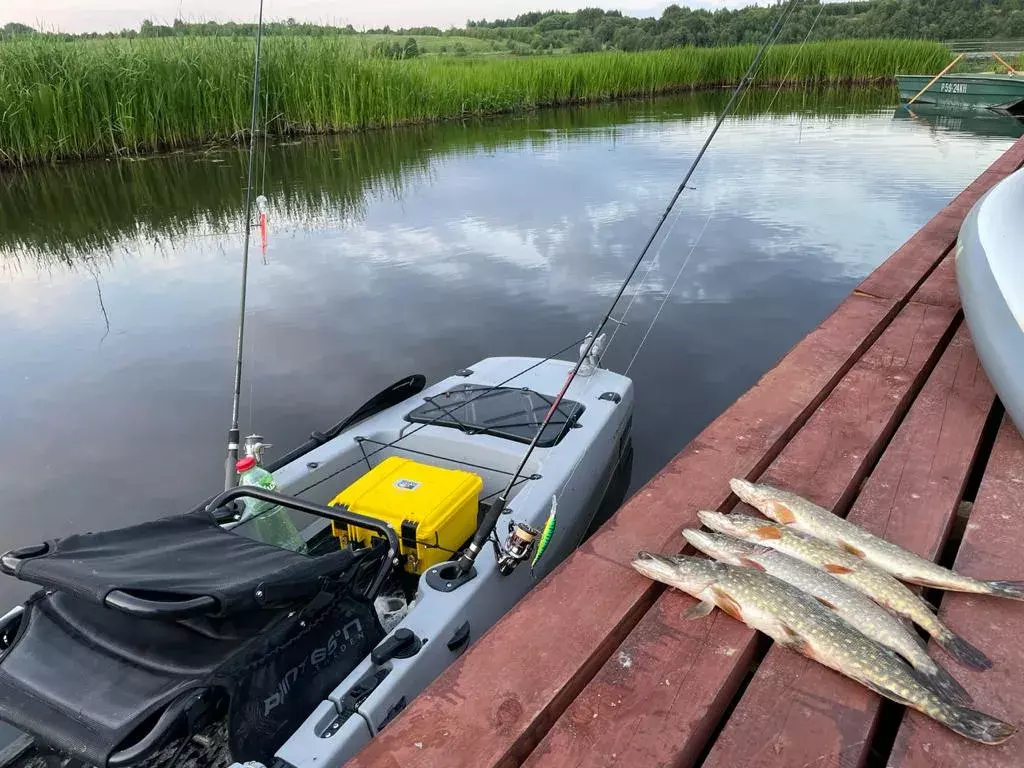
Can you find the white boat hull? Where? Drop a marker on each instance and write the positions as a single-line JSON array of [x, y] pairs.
[[990, 276]]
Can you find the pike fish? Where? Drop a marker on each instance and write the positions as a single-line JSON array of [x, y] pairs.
[[802, 515], [859, 610], [798, 621], [849, 569]]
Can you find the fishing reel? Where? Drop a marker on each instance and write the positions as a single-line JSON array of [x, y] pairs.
[[254, 446], [518, 546]]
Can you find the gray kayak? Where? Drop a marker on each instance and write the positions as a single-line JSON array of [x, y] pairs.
[[471, 426], [990, 276]]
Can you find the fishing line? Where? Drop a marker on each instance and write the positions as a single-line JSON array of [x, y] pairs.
[[266, 139], [579, 460], [233, 432], [438, 418], [686, 261], [792, 63], [678, 214], [643, 280], [490, 520], [772, 38], [668, 293]]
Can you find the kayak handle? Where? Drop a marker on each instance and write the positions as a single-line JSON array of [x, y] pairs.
[[338, 514], [11, 562], [159, 609]]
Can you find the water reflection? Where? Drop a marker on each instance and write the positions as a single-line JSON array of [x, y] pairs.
[[424, 250], [63, 212], [942, 118]]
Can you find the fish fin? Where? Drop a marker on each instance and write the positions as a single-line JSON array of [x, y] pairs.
[[963, 651], [751, 563], [855, 551], [911, 628], [837, 569], [1011, 589], [884, 692], [795, 641], [825, 602], [768, 532], [783, 514], [924, 582], [943, 683], [696, 611], [727, 604], [979, 726]]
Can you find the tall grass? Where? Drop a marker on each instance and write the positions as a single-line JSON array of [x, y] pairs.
[[92, 98]]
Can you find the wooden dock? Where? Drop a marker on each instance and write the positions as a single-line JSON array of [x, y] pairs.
[[882, 414]]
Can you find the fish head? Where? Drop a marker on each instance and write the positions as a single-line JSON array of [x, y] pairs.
[[770, 502], [690, 574], [740, 526], [724, 549]]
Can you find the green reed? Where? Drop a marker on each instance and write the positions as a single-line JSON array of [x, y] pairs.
[[63, 100]]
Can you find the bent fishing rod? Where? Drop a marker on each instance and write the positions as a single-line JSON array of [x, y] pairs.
[[230, 476], [490, 520]]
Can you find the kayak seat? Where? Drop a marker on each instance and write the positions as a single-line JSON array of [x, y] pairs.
[[145, 633]]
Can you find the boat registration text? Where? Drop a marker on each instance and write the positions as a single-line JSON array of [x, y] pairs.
[[952, 87]]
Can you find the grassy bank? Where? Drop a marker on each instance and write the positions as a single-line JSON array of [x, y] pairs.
[[95, 98]]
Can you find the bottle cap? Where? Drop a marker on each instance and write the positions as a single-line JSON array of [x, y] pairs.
[[244, 465]]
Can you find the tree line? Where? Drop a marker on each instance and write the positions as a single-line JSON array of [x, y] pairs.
[[592, 29]]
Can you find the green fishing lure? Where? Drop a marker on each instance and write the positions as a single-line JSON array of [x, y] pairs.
[[547, 533]]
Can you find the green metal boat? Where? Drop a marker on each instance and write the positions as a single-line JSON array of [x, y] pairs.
[[999, 92]]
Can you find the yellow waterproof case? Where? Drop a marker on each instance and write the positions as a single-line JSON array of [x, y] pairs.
[[433, 511]]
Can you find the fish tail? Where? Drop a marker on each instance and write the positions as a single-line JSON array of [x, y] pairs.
[[1011, 589], [977, 725], [963, 651], [943, 683]]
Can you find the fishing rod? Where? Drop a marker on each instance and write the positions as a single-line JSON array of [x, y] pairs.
[[490, 520], [230, 476]]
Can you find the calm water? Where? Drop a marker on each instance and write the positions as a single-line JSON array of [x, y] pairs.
[[426, 250]]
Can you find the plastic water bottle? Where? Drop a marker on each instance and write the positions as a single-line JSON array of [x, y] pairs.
[[270, 523]]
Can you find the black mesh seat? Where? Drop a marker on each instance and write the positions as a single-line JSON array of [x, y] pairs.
[[140, 628], [176, 561]]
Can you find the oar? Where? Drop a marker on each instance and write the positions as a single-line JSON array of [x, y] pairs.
[[932, 81], [1009, 69], [396, 393]]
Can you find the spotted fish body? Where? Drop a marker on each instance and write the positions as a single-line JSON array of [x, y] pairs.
[[849, 569], [859, 610], [802, 515], [798, 621]]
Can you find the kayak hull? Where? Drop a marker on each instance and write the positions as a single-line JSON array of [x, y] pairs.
[[990, 277]]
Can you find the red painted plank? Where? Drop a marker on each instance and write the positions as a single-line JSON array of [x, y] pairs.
[[682, 674], [796, 712], [991, 549], [907, 267], [940, 288], [479, 713]]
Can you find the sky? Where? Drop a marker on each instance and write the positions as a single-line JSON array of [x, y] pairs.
[[102, 15]]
